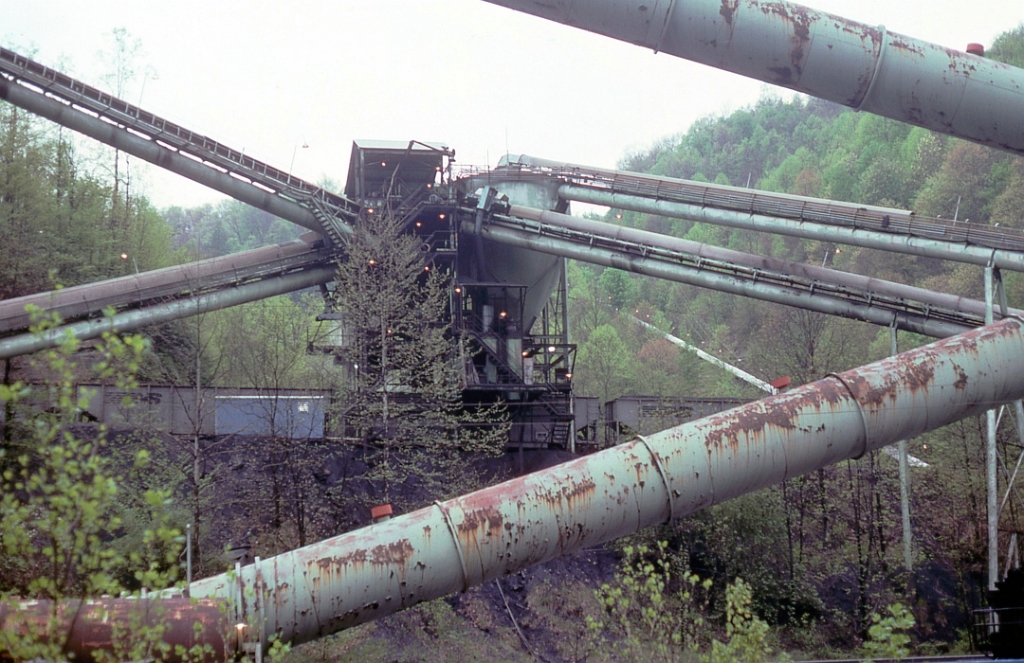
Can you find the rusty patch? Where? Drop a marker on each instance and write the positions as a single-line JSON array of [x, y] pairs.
[[897, 42], [961, 378], [100, 624], [753, 421], [394, 553], [576, 490], [486, 516], [782, 75], [728, 11]]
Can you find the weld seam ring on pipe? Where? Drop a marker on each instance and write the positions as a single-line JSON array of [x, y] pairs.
[[878, 67], [664, 25], [860, 411], [458, 547], [664, 476]]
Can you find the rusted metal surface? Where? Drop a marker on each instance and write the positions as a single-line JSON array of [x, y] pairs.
[[861, 66], [14, 346], [159, 285], [484, 535], [106, 624]]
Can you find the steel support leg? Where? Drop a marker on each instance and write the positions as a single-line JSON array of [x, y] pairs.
[[990, 459], [908, 534]]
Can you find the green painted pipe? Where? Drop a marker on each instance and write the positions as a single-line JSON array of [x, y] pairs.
[[861, 66], [450, 546]]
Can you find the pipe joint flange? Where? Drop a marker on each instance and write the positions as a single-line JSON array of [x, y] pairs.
[[883, 42], [664, 476], [458, 546], [860, 411]]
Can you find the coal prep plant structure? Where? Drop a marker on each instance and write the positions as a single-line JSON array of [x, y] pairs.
[[505, 234]]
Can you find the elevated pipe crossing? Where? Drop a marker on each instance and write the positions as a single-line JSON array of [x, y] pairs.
[[176, 309], [769, 279], [161, 285], [118, 123], [78, 106], [663, 257], [453, 545]]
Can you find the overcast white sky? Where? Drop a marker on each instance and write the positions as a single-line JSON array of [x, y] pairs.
[[269, 77]]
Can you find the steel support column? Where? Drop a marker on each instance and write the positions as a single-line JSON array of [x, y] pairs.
[[991, 478], [904, 465]]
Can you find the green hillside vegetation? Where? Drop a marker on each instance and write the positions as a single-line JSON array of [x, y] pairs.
[[818, 556]]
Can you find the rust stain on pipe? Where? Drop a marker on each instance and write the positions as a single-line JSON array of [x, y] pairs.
[[108, 625], [495, 531]]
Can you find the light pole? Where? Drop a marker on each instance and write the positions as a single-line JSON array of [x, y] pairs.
[[125, 256], [295, 149]]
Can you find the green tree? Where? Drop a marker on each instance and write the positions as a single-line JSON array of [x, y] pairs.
[[63, 508], [747, 633], [603, 364], [1009, 47], [403, 389], [654, 609], [620, 288], [887, 637]]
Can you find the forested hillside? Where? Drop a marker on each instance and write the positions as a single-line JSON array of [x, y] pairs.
[[817, 555]]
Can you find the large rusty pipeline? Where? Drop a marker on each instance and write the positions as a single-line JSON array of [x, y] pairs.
[[105, 625], [453, 545], [861, 66]]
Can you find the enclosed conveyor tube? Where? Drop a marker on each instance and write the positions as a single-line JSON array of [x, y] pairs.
[[29, 84], [92, 299], [854, 64], [67, 116], [797, 269], [868, 226], [453, 545], [929, 248], [23, 344], [651, 259]]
